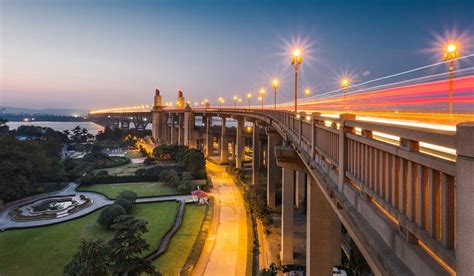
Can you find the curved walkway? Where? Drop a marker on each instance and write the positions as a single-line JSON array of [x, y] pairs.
[[225, 250], [99, 201]]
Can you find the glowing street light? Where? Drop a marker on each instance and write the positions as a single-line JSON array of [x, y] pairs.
[[260, 98], [296, 61], [221, 101], [345, 82], [235, 98], [249, 96], [262, 95], [307, 92], [450, 54], [275, 87], [206, 103]]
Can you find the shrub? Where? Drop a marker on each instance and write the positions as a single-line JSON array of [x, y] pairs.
[[140, 172], [128, 195], [109, 214], [150, 160], [185, 185], [193, 160], [125, 203], [102, 173], [170, 177]]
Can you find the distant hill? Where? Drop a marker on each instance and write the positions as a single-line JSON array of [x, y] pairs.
[[48, 111]]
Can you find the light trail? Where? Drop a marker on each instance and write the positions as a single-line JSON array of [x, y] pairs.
[[396, 75]]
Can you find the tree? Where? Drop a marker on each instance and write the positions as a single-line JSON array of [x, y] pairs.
[[128, 195], [193, 161], [109, 214], [24, 164], [127, 246], [125, 203], [90, 260], [170, 177]]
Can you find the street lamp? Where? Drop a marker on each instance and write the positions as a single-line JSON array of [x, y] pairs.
[[296, 61], [221, 101], [260, 98], [235, 98], [275, 87], [345, 82], [239, 100], [307, 92], [262, 95], [206, 102], [249, 96], [450, 54]]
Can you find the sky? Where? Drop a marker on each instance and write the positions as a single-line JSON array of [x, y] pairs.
[[100, 54]]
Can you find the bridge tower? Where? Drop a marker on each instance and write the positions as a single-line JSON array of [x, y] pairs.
[[180, 103], [158, 122]]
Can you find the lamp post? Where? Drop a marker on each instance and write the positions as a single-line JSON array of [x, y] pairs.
[[260, 98], [262, 95], [221, 101], [345, 82], [450, 54], [206, 103], [296, 61], [239, 100], [235, 98], [275, 87], [249, 96]]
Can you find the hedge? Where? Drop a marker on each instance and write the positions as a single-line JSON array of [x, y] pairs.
[[116, 161]]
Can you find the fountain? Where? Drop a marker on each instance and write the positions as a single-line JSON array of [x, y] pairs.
[[50, 208]]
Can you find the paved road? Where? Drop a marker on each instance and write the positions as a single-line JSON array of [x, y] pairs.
[[225, 251], [99, 201]]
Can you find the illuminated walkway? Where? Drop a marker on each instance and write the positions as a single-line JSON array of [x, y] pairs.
[[225, 251]]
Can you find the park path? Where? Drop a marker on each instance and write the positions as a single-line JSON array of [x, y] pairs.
[[225, 250], [99, 201]]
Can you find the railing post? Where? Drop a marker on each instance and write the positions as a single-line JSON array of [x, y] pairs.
[[464, 198], [343, 147], [300, 126], [313, 133]]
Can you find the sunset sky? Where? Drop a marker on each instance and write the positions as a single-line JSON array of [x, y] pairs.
[[98, 54]]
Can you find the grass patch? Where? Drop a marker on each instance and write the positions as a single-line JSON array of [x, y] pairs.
[[171, 262], [127, 169], [46, 250], [141, 188]]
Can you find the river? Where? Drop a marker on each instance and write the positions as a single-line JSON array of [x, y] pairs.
[[93, 128]]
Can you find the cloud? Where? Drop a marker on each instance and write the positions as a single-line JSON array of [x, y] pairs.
[[366, 73]]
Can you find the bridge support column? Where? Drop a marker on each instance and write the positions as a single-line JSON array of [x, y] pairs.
[[464, 203], [319, 230], [255, 154], [157, 126], [273, 171], [189, 137], [343, 156], [224, 145], [240, 153], [209, 141], [173, 134], [180, 129], [287, 214], [300, 188]]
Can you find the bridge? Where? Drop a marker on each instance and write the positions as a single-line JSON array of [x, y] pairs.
[[403, 193]]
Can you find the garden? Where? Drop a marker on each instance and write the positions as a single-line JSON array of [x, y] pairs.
[[46, 250]]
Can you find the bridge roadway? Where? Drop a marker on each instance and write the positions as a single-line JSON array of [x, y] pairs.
[[403, 193]]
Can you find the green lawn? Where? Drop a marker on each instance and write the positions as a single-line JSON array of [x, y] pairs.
[[46, 250], [180, 246], [127, 169], [141, 188]]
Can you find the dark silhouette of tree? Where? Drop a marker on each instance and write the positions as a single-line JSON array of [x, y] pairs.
[[127, 246], [90, 260]]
